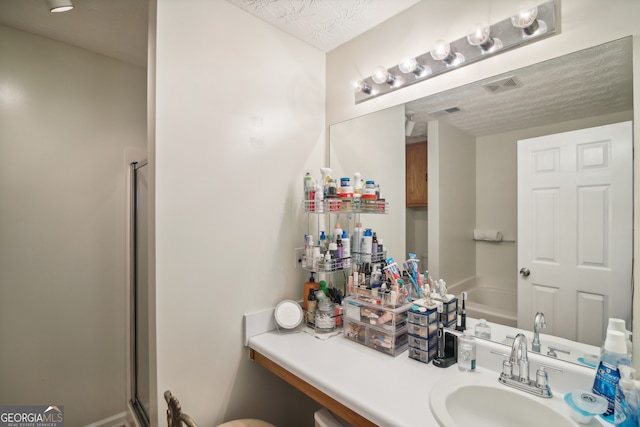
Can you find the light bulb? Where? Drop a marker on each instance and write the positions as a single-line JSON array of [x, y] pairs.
[[441, 51], [381, 75], [410, 65], [361, 86], [526, 18], [480, 36]]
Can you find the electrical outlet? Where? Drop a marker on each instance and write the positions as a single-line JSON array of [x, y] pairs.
[[299, 253]]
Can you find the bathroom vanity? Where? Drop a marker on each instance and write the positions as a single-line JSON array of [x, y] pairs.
[[368, 388]]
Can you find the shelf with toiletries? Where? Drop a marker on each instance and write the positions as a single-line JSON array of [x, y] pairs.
[[338, 205]]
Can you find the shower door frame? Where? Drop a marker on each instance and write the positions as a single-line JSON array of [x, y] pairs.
[[142, 417]]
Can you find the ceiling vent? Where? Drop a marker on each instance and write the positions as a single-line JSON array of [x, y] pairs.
[[502, 85], [444, 112]]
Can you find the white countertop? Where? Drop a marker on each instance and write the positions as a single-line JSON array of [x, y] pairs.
[[375, 385], [389, 391]]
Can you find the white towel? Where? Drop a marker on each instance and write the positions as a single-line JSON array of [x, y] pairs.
[[489, 235]]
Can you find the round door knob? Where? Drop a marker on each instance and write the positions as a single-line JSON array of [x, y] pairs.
[[525, 272]]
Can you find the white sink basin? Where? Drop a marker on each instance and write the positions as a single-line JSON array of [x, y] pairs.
[[478, 399]]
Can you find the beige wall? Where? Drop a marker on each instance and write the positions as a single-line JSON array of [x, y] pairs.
[[239, 118], [451, 158], [70, 121], [411, 32]]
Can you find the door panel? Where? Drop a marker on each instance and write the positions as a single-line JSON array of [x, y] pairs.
[[575, 230]]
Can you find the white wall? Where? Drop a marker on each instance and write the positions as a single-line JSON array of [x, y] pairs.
[[452, 210], [239, 118], [418, 233], [411, 33], [496, 158], [69, 119]]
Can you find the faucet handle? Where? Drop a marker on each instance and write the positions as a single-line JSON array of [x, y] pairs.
[[507, 366], [542, 379], [552, 351]]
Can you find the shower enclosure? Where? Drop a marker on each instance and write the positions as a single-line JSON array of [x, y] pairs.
[[139, 316]]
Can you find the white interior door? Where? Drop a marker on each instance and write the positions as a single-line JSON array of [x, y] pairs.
[[575, 230]]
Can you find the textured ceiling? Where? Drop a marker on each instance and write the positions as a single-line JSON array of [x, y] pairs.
[[325, 24], [583, 84], [118, 28]]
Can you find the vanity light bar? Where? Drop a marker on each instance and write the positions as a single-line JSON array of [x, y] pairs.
[[505, 31]]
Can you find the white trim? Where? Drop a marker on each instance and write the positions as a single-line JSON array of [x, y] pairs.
[[117, 420]]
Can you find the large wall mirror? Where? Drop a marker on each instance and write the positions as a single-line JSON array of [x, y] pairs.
[[473, 135]]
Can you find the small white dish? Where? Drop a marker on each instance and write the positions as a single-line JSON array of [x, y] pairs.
[[584, 405], [288, 314]]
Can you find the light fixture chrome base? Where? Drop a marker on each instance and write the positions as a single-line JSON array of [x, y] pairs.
[[510, 36]]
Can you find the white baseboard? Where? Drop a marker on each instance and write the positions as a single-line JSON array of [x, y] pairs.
[[117, 420]]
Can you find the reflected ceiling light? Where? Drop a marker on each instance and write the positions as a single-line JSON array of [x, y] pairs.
[[526, 18], [57, 6], [409, 124], [410, 65], [361, 86], [480, 36], [381, 75], [441, 51]]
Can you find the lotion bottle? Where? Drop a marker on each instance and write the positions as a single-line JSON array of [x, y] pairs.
[[467, 352], [356, 241], [367, 242], [346, 250]]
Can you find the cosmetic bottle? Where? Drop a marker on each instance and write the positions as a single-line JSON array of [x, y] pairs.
[[357, 183], [323, 288], [340, 254], [337, 231], [380, 248], [608, 373], [333, 250], [483, 330], [356, 241], [367, 242], [307, 261], [310, 288], [374, 247], [324, 319], [323, 242], [317, 257], [307, 186], [319, 198], [346, 250], [311, 307], [467, 352]]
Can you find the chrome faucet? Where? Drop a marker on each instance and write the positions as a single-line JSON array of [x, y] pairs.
[[519, 357], [538, 323]]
